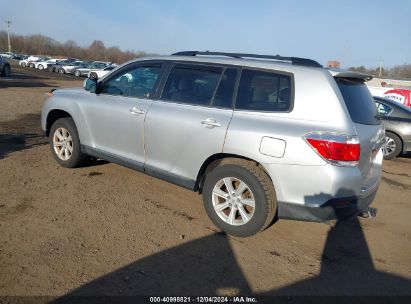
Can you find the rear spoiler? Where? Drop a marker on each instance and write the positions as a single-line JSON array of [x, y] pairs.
[[349, 74]]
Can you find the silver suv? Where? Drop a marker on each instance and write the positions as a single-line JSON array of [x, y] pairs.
[[258, 136]]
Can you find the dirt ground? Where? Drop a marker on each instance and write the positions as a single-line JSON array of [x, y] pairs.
[[108, 230]]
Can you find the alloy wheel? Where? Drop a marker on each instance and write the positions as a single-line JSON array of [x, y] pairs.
[[63, 143], [233, 201], [389, 146]]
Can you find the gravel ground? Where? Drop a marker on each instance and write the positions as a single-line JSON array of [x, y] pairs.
[[108, 230]]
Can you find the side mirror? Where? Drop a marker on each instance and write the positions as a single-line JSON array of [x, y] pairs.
[[90, 85]]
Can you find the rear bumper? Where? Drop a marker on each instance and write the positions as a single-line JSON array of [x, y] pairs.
[[336, 208]]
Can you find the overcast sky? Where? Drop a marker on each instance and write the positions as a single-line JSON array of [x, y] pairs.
[[355, 32]]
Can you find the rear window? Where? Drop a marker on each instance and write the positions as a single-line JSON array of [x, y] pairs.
[[359, 101]]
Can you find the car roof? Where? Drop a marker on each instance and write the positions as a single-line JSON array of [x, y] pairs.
[[246, 62]]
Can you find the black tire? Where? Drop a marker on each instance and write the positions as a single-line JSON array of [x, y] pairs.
[[258, 182], [93, 76], [40, 67], [392, 146], [77, 73], [31, 65], [23, 64], [6, 70], [76, 158], [61, 71]]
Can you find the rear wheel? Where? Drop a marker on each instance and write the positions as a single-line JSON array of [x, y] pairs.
[[23, 64], [239, 197], [392, 146], [61, 71], [40, 67], [93, 75], [65, 143], [77, 73]]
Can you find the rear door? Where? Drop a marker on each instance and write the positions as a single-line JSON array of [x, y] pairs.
[[364, 115], [189, 122]]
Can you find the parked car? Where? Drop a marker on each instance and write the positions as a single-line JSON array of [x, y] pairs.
[[4, 67], [43, 64], [32, 63], [95, 66], [97, 74], [397, 122], [19, 57], [244, 133], [7, 55], [23, 63], [69, 67], [60, 63]]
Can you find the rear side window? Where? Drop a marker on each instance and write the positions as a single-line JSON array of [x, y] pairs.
[[264, 91], [191, 85], [383, 109], [359, 101]]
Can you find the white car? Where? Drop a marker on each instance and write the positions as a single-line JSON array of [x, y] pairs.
[[7, 55], [97, 74], [25, 62], [41, 65]]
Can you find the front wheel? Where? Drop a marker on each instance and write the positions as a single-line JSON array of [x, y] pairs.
[[61, 71], [65, 143], [77, 73], [40, 67], [239, 197]]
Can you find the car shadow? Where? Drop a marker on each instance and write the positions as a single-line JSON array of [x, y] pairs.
[[208, 266], [19, 80], [20, 134]]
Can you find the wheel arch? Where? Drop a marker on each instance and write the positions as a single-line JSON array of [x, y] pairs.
[[53, 115], [213, 161]]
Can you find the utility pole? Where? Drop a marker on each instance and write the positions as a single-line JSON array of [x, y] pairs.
[[8, 22], [379, 74]]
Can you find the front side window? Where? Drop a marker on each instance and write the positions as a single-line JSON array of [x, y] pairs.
[[191, 85], [264, 91], [138, 82]]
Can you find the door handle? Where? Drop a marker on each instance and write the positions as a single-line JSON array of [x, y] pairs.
[[136, 110], [210, 123]]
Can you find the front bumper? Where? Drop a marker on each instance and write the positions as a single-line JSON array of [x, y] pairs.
[[336, 208]]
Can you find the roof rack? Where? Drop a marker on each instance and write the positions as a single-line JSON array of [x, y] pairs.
[[293, 60]]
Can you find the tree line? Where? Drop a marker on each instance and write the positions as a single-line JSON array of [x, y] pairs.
[[43, 45], [397, 72]]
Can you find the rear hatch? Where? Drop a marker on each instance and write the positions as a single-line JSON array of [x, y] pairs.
[[364, 115]]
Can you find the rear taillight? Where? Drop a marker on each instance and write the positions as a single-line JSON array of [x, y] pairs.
[[338, 149]]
